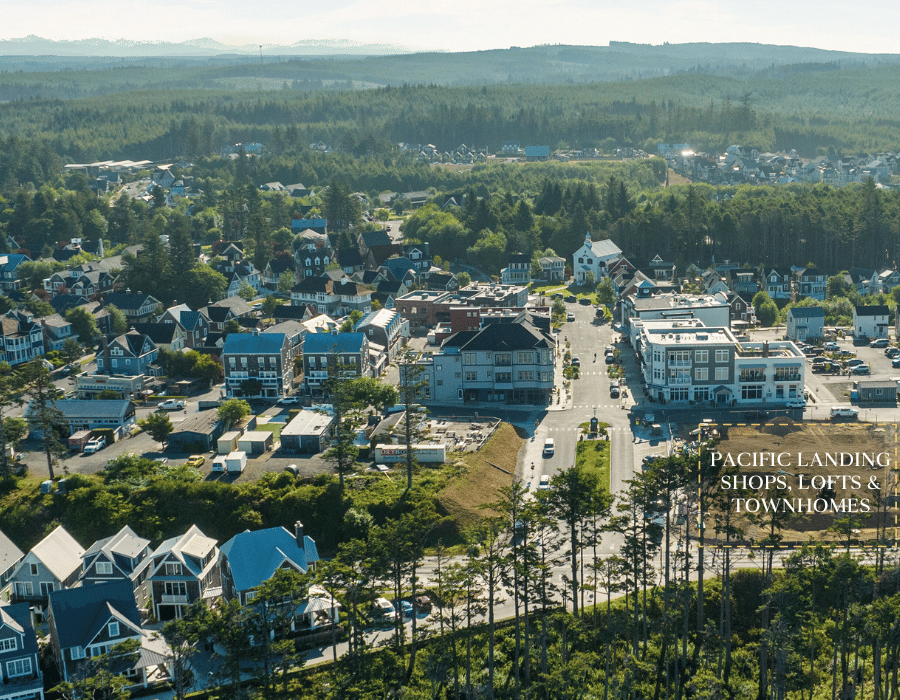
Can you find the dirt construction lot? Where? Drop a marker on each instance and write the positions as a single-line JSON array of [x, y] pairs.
[[799, 462]]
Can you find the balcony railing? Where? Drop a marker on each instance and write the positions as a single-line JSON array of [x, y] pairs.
[[174, 599], [752, 378], [679, 363], [787, 377], [679, 380]]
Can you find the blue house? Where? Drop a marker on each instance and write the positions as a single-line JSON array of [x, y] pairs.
[[249, 559], [130, 354], [22, 677], [9, 271]]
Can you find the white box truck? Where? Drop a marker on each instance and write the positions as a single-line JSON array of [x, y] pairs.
[[235, 462]]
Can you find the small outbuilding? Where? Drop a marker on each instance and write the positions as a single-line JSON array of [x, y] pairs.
[[255, 442], [196, 433], [308, 433]]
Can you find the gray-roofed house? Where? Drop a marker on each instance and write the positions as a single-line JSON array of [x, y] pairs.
[[870, 321], [9, 275], [805, 323], [123, 556], [553, 268], [85, 414], [196, 433], [386, 328], [52, 564], [56, 331], [517, 270], [183, 570], [88, 621], [22, 676], [275, 268], [219, 313], [10, 556], [168, 336], [131, 354], [194, 325], [309, 432], [21, 338], [136, 307], [594, 257]]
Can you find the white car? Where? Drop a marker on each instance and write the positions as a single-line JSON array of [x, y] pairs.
[[289, 401], [171, 405], [795, 403], [831, 346], [544, 482], [94, 445]]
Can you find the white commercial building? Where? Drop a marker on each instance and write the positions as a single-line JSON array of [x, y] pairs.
[[686, 362]]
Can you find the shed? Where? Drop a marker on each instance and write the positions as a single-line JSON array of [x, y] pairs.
[[196, 433], [876, 391], [309, 432], [228, 442], [255, 442]]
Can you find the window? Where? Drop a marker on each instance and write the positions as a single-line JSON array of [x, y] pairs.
[[504, 377], [469, 358], [701, 355], [503, 358], [34, 569], [440, 382], [439, 368], [104, 567], [525, 358], [701, 374], [721, 374], [9, 644], [526, 376], [752, 392], [176, 588], [47, 587], [471, 376], [701, 394], [19, 667], [24, 588], [113, 629], [173, 569], [721, 356]]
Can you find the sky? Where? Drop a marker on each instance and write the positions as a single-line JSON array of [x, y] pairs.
[[866, 26]]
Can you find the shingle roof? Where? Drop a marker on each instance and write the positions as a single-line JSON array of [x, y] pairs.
[[125, 301], [807, 312], [349, 258], [506, 336], [604, 248], [80, 613], [157, 332], [59, 551], [124, 542], [373, 238], [86, 408], [254, 557], [875, 310], [193, 542]]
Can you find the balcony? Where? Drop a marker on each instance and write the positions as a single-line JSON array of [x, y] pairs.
[[173, 599], [756, 377], [680, 363], [787, 377]]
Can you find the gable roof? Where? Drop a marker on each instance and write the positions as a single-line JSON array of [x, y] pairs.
[[290, 311], [10, 554], [504, 336], [874, 310], [125, 301], [59, 551], [807, 312], [125, 542], [350, 258], [159, 333], [375, 238], [604, 248], [79, 614], [193, 543], [254, 557]]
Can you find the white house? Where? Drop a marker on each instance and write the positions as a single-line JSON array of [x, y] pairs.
[[594, 257], [870, 321]]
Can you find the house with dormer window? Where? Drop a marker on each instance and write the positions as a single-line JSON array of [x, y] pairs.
[[193, 324], [21, 338], [124, 556], [9, 271], [10, 556], [130, 354], [136, 307], [594, 257], [811, 282], [90, 621], [51, 565], [312, 253], [778, 284], [183, 570], [20, 672]]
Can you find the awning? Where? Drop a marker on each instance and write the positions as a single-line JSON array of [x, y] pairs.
[[722, 390], [797, 366]]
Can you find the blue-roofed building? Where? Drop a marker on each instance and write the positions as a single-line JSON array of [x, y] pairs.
[[537, 152], [317, 225], [258, 365], [252, 558], [322, 351], [401, 269], [22, 677], [9, 271], [88, 621]]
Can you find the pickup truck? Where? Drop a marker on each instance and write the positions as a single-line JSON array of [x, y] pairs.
[[94, 445]]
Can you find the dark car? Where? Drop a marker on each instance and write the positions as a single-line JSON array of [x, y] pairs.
[[892, 352], [610, 359], [571, 298], [585, 301], [422, 603], [557, 296]]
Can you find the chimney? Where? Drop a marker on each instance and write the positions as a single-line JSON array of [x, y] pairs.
[[765, 348], [298, 533]]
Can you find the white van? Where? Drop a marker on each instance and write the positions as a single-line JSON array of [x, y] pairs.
[[549, 447], [844, 412]]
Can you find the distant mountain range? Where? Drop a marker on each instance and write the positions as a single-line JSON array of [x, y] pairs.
[[37, 46]]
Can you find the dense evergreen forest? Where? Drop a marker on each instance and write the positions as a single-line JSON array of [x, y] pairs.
[[814, 111]]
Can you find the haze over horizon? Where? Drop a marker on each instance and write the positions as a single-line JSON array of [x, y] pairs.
[[469, 26]]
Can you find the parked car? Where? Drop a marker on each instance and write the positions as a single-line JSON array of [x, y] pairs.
[[94, 445], [879, 343], [544, 482], [892, 352], [844, 412], [549, 447], [795, 403], [171, 405], [576, 362], [289, 401], [895, 362], [610, 359], [570, 317], [382, 608], [293, 469], [422, 603], [861, 369], [585, 301], [854, 362], [195, 460], [404, 606], [571, 298]]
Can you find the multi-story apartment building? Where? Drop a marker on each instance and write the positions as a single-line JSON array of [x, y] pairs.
[[323, 352], [711, 310], [685, 361], [258, 365], [507, 363]]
